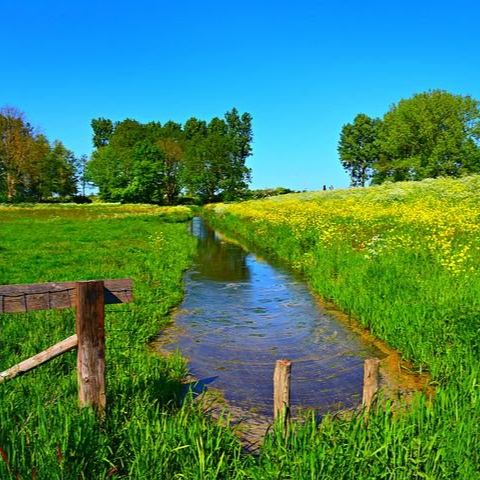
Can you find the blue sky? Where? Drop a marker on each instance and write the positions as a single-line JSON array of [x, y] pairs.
[[302, 69]]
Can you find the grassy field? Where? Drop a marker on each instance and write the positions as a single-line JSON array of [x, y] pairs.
[[43, 434], [402, 259]]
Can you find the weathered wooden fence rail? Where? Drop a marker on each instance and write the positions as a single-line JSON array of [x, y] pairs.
[[89, 299]]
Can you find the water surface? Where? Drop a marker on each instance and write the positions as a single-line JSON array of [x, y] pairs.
[[240, 314]]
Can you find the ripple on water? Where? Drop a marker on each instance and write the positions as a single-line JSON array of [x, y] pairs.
[[240, 315]]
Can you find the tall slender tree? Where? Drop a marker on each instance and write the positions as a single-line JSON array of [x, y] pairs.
[[358, 148]]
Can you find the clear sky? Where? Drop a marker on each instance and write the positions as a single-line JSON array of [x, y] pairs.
[[301, 68]]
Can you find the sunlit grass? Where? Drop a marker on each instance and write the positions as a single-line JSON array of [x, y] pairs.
[[378, 253], [402, 259], [43, 433]]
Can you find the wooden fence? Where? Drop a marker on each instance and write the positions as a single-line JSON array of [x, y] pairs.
[[89, 299]]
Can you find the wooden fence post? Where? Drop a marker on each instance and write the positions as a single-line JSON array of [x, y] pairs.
[[281, 390], [90, 326], [370, 381]]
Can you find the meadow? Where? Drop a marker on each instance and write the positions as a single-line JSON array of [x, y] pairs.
[[43, 433], [400, 259]]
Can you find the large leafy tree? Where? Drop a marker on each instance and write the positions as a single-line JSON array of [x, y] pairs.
[[358, 148], [16, 140], [238, 175], [147, 184], [208, 161], [30, 167], [429, 135], [111, 165], [217, 154], [174, 166], [432, 134], [149, 162]]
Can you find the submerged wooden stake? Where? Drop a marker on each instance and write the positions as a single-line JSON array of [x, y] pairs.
[[370, 381], [281, 390]]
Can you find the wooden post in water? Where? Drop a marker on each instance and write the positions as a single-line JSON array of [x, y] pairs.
[[90, 328], [281, 390], [370, 381]]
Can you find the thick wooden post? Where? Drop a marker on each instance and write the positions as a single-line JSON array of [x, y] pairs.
[[281, 390], [91, 344], [370, 381]]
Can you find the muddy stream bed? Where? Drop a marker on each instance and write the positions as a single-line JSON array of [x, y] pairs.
[[240, 314]]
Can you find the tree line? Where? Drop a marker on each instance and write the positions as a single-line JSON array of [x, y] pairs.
[[155, 163], [429, 135], [31, 167]]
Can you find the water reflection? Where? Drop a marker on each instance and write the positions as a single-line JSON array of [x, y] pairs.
[[217, 260], [240, 314]]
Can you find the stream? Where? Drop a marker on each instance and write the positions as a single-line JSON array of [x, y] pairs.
[[240, 314]]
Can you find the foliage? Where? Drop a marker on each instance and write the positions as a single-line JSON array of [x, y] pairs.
[[200, 159], [358, 148], [102, 131], [30, 167], [429, 135], [267, 192]]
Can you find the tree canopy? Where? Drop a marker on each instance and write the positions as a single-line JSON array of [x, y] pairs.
[[358, 148], [430, 135], [32, 168], [135, 162]]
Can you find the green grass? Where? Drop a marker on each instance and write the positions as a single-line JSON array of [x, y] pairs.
[[407, 293], [43, 433], [402, 260]]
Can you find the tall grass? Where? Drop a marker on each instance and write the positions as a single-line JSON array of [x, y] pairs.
[[43, 433], [402, 259], [390, 256]]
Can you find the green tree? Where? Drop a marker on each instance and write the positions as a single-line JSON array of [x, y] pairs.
[[105, 170], [82, 179], [147, 184], [358, 148], [111, 165], [207, 160], [16, 141], [102, 131], [195, 129], [216, 154], [173, 170], [30, 168], [429, 135], [61, 165], [237, 174]]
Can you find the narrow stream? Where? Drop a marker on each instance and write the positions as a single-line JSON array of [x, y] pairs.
[[240, 314]]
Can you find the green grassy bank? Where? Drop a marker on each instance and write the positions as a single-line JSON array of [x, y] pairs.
[[43, 434], [403, 260]]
